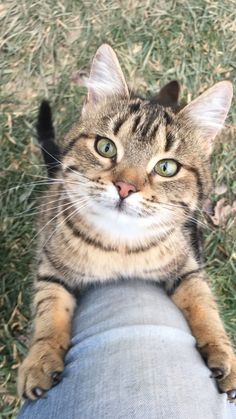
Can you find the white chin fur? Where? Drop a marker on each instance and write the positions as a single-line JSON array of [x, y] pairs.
[[124, 227]]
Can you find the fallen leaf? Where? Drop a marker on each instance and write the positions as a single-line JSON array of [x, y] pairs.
[[222, 212], [220, 189]]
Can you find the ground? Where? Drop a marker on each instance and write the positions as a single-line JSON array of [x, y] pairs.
[[43, 45]]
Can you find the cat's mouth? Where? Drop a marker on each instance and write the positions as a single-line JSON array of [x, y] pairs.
[[123, 207], [120, 205]]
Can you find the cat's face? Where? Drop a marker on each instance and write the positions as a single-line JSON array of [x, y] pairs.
[[132, 168]]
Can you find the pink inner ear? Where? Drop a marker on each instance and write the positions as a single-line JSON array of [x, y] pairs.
[[209, 111], [106, 77]]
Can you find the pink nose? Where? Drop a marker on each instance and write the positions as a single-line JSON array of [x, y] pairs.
[[125, 189]]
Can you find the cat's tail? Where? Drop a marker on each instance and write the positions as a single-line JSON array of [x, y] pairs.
[[46, 138]]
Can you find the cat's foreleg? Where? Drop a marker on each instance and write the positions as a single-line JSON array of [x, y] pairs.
[[53, 308], [194, 298]]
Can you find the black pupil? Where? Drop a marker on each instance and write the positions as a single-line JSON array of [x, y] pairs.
[[107, 148], [164, 167]]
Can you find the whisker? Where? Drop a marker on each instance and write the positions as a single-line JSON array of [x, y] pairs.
[[73, 171], [169, 205], [41, 211], [55, 216], [39, 183], [64, 220], [82, 199], [54, 180]]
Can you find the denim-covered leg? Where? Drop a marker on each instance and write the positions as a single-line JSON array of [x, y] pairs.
[[132, 357]]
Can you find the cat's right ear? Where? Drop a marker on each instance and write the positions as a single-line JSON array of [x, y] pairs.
[[106, 77], [208, 112]]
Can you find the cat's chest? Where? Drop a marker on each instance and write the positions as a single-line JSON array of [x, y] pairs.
[[94, 261]]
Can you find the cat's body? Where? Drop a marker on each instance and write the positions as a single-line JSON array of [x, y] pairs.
[[121, 234], [124, 205]]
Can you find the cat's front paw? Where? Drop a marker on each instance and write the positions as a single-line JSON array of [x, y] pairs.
[[227, 383], [40, 371], [223, 367]]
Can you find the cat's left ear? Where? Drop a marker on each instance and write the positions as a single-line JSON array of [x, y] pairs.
[[208, 112], [106, 77]]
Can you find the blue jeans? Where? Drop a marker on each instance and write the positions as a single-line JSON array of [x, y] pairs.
[[132, 357]]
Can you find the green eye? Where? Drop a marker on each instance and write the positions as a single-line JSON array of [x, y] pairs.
[[167, 168], [106, 147]]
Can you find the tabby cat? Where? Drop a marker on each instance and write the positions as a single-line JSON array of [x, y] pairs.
[[124, 204]]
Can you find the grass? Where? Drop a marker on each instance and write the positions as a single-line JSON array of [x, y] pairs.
[[43, 44]]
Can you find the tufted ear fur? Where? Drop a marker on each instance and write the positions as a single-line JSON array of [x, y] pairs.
[[106, 77], [208, 112]]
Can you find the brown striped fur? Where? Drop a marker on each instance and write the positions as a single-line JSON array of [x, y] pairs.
[[88, 234]]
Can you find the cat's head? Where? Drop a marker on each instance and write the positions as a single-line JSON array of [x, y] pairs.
[[132, 167]]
